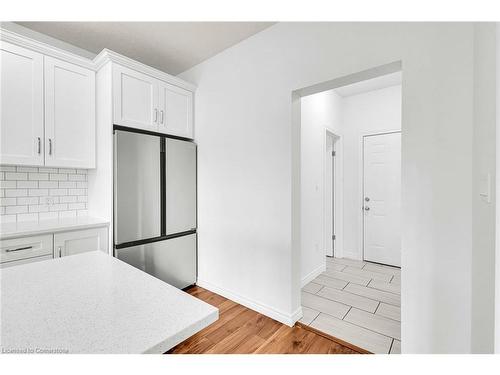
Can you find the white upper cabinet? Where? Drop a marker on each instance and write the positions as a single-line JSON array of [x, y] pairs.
[[176, 110], [69, 115], [135, 99], [145, 102], [21, 122]]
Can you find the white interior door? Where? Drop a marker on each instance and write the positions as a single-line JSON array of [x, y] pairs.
[[382, 198]]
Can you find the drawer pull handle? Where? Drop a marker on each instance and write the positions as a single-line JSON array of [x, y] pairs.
[[18, 249]]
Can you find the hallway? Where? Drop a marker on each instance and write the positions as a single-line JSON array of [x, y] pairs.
[[358, 302]]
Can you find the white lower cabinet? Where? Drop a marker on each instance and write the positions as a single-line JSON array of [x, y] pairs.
[[17, 251], [25, 250], [80, 241]]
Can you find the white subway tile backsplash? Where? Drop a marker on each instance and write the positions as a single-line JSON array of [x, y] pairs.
[[81, 184], [11, 210], [47, 170], [16, 192], [27, 200], [37, 192], [27, 217], [8, 201], [39, 208], [48, 215], [7, 184], [27, 184], [77, 177], [77, 191], [68, 199], [16, 176], [27, 169], [8, 218], [76, 206], [67, 184], [67, 214], [32, 193], [38, 176], [7, 168], [58, 207], [58, 192], [58, 177], [48, 184]]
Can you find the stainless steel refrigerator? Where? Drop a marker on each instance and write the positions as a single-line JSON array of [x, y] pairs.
[[155, 205]]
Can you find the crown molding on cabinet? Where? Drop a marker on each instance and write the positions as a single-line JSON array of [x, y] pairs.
[[99, 61], [45, 49], [107, 55]]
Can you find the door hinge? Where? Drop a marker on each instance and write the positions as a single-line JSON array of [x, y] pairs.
[[334, 153], [334, 237]]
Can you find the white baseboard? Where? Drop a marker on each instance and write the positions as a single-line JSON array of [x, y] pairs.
[[280, 316], [312, 275]]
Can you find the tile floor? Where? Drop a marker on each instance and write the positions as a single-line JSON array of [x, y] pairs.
[[358, 302]]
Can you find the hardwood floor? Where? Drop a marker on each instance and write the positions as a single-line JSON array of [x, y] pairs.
[[240, 330]]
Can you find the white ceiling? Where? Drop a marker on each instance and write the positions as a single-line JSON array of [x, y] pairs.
[[172, 47], [370, 85]]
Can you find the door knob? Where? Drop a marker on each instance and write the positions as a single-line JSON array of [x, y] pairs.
[[366, 208], [367, 199]]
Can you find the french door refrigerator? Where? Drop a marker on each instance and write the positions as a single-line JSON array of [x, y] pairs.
[[155, 205]]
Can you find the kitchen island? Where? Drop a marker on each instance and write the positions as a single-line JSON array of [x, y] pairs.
[[94, 303]]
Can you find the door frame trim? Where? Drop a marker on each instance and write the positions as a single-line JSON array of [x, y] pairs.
[[337, 212], [361, 193]]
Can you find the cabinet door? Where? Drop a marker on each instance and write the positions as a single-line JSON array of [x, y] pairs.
[[80, 241], [21, 97], [176, 110], [69, 115], [135, 99]]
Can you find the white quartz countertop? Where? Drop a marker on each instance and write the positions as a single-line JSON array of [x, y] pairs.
[[31, 228], [94, 303]]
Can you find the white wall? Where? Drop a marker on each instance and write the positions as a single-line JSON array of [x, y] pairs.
[[368, 113], [318, 112], [249, 160]]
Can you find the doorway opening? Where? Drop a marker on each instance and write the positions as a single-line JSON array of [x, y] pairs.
[[350, 208]]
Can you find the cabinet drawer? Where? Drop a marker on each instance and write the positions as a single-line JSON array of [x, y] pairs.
[[25, 247], [27, 260]]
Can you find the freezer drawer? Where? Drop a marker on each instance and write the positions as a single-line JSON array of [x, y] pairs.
[[173, 261], [137, 187]]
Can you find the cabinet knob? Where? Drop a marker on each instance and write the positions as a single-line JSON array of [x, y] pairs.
[[161, 117], [156, 115], [50, 146], [39, 145], [60, 251]]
